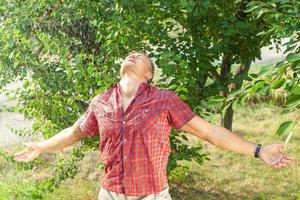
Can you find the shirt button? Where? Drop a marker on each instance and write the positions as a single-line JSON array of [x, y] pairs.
[[124, 140], [125, 157], [123, 122]]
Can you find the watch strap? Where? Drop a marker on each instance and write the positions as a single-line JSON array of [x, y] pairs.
[[257, 150]]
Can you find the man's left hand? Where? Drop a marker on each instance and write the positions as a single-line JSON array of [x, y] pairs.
[[273, 155]]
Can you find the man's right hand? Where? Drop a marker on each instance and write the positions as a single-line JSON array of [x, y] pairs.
[[31, 152], [58, 142]]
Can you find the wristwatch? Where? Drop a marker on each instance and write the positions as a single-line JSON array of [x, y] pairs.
[[257, 150]]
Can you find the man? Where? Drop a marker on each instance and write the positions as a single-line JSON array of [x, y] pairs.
[[134, 120]]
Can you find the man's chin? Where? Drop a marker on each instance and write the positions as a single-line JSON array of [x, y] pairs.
[[128, 65]]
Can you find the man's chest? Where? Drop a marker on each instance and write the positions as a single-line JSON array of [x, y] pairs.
[[125, 102], [130, 114], [136, 128]]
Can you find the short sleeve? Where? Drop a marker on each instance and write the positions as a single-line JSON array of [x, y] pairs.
[[179, 113], [88, 122]]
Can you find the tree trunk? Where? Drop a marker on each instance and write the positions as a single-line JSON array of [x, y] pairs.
[[227, 119]]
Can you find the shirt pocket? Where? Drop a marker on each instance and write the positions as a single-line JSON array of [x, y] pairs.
[[142, 116], [148, 124], [108, 125], [109, 117]]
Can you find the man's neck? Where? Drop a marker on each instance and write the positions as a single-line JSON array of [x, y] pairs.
[[129, 86]]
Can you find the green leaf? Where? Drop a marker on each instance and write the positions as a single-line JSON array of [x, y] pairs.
[[293, 57], [293, 100], [284, 128], [262, 11], [277, 83], [262, 90], [252, 8], [295, 89], [233, 94], [285, 111], [184, 137], [279, 64], [215, 100], [264, 70]]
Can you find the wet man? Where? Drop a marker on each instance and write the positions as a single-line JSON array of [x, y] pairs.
[[134, 120]]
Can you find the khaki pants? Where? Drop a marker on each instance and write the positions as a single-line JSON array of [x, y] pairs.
[[109, 195]]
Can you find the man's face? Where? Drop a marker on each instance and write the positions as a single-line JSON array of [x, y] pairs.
[[137, 64]]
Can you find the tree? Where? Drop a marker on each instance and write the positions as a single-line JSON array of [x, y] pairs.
[[66, 52], [197, 44], [285, 75]]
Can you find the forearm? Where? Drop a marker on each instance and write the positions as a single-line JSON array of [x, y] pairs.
[[225, 139], [58, 142]]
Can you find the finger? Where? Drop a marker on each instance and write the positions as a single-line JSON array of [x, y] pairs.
[[21, 158], [283, 161], [276, 161], [283, 164], [289, 157], [286, 161], [275, 166], [26, 158], [20, 152], [280, 148], [279, 165]]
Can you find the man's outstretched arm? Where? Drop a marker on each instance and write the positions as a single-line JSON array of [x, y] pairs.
[[225, 139], [58, 142]]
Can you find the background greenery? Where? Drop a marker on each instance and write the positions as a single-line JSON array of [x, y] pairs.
[[66, 52]]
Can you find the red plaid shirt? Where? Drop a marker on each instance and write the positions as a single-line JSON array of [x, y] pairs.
[[135, 145]]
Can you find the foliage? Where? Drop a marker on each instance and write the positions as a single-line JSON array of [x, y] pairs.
[[64, 169], [183, 151], [19, 165], [285, 75], [66, 52], [197, 45]]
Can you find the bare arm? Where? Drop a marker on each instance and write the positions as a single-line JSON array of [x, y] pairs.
[[223, 138], [63, 139], [58, 142], [218, 136]]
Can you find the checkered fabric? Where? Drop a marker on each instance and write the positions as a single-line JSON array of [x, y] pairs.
[[134, 144]]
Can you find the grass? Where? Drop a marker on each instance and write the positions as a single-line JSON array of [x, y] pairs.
[[227, 176]]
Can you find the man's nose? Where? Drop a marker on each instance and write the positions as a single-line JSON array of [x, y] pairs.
[[132, 56]]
